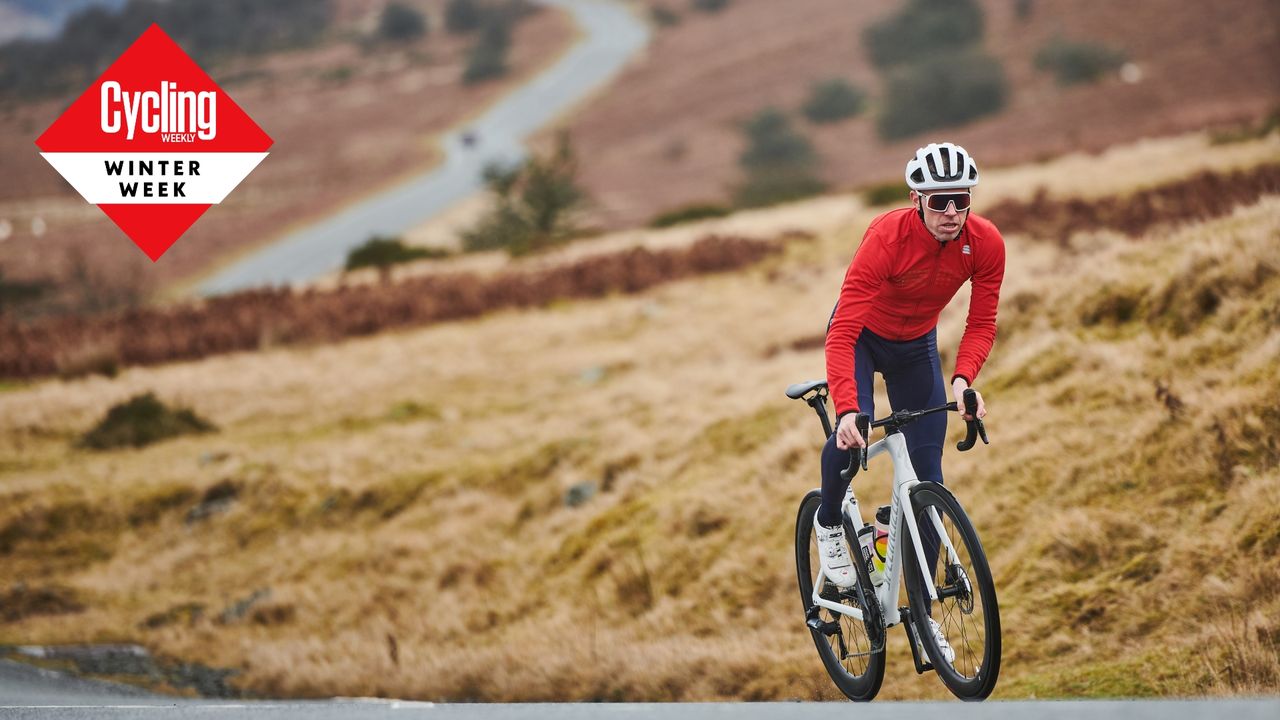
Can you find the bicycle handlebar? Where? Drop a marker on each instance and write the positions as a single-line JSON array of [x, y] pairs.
[[975, 425], [862, 421], [858, 455]]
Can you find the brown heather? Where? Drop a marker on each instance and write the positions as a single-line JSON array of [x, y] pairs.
[[253, 319], [1200, 197], [402, 496]]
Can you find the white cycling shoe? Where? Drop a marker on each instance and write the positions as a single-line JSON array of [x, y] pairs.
[[947, 653], [833, 549]]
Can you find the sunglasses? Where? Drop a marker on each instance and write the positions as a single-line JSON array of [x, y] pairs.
[[938, 202]]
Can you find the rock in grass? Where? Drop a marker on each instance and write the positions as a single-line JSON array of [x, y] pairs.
[[579, 494]]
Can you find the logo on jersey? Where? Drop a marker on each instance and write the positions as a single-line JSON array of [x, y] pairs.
[[154, 143]]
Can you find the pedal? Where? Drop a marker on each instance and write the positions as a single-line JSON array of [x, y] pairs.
[[834, 594], [817, 624], [826, 627], [908, 626]]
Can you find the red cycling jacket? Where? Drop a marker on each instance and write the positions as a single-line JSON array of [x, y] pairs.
[[900, 279]]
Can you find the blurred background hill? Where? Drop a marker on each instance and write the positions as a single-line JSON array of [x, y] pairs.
[[349, 110], [568, 471], [352, 112], [666, 134], [41, 19]]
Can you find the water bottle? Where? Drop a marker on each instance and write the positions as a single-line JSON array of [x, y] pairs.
[[866, 539], [881, 548]]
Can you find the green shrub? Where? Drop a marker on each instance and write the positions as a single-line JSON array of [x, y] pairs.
[[664, 16], [14, 293], [709, 6], [771, 143], [780, 163], [689, 213], [462, 16], [533, 205], [382, 252], [941, 92], [140, 421], [1077, 62], [834, 100], [779, 187], [1243, 133], [488, 57], [885, 194], [924, 28], [401, 23]]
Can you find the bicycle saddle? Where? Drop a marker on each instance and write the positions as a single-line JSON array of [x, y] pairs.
[[800, 389]]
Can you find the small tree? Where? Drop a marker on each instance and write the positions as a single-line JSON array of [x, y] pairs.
[[780, 163], [401, 23], [488, 57], [533, 205], [834, 100], [462, 16]]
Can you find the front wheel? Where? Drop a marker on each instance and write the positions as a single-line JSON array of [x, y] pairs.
[[966, 608], [851, 650]]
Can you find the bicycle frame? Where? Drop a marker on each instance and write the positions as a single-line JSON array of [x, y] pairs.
[[904, 479]]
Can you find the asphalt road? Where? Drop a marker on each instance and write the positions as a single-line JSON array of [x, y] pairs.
[[611, 35], [28, 693]]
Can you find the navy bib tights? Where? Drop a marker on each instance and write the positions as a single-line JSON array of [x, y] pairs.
[[912, 375]]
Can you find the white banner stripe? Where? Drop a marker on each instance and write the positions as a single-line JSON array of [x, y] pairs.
[[177, 178]]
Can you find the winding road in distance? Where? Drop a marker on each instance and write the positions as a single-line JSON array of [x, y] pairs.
[[610, 36]]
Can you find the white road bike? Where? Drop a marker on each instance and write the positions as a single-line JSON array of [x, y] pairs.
[[849, 626]]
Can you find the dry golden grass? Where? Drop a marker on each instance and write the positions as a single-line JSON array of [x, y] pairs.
[[402, 496], [1128, 167]]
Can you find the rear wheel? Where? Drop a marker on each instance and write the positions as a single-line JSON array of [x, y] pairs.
[[852, 650], [966, 608]]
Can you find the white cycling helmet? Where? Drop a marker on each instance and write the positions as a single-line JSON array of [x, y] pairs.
[[941, 165]]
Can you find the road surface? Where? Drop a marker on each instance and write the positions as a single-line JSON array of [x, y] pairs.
[[28, 693], [611, 35]]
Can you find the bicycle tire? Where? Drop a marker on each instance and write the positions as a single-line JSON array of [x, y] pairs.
[[859, 681], [973, 675]]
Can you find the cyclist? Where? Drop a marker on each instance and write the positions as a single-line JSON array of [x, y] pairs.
[[909, 266]]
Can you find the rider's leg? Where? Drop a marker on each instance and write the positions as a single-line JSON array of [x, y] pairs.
[[833, 458], [915, 382]]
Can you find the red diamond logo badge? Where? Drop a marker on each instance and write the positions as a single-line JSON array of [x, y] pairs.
[[154, 142]]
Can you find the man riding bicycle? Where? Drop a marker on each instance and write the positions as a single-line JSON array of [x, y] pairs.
[[911, 263]]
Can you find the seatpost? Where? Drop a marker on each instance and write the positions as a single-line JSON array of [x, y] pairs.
[[819, 404]]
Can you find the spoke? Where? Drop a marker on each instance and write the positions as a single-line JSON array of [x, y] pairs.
[[964, 635], [953, 620]]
